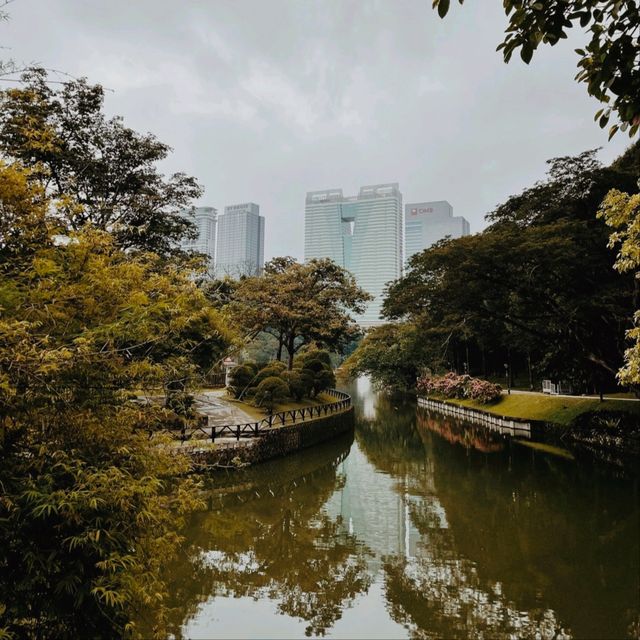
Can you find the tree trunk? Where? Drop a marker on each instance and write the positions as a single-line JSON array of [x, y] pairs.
[[280, 345], [291, 349]]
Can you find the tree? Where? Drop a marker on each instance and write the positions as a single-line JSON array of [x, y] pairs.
[[621, 211], [90, 506], [301, 304], [271, 391], [241, 378], [96, 170], [392, 355], [609, 63], [538, 284]]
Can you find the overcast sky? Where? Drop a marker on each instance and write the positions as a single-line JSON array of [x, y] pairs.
[[264, 100]]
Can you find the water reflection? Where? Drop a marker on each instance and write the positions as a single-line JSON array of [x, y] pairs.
[[418, 528]]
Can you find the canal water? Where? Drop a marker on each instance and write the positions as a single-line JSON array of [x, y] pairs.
[[415, 526]]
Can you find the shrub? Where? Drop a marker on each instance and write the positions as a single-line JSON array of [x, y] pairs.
[[320, 376], [314, 354], [270, 391], [299, 385], [484, 391], [241, 376], [452, 385], [272, 370]]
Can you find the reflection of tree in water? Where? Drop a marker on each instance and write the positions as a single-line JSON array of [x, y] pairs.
[[446, 600], [554, 533], [279, 545]]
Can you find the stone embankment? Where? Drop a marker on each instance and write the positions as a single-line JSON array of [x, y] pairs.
[[504, 424], [269, 438]]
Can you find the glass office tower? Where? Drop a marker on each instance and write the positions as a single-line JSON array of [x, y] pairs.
[[205, 219], [361, 233], [240, 249], [428, 222]]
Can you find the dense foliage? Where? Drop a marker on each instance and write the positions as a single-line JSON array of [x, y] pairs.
[[300, 304], [95, 169], [621, 211], [536, 291], [609, 64], [91, 506]]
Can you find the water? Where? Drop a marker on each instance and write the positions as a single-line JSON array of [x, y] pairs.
[[415, 527]]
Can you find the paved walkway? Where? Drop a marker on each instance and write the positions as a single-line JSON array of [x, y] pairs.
[[560, 395], [220, 410]]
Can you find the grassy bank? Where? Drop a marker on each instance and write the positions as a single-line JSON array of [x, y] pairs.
[[559, 410]]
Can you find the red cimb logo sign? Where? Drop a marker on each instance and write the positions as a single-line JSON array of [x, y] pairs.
[[415, 212]]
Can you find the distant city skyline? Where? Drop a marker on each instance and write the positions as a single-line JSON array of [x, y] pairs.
[[264, 102]]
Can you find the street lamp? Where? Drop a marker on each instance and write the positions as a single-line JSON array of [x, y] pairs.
[[507, 377]]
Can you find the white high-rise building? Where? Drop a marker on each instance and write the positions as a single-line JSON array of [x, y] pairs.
[[205, 219], [361, 233], [240, 250], [428, 222]]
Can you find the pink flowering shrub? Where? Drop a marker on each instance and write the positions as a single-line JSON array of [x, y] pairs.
[[451, 385]]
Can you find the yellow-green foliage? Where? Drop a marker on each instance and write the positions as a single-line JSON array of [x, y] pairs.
[[90, 507], [621, 211]]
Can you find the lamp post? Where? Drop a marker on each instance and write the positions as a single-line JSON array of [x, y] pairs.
[[507, 377]]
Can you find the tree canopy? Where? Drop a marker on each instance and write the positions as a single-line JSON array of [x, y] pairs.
[[96, 170], [537, 289], [90, 506], [300, 304], [609, 63]]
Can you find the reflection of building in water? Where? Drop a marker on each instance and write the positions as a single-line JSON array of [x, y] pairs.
[[368, 399], [376, 508], [398, 516]]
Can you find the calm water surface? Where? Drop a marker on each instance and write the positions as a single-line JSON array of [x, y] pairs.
[[416, 526]]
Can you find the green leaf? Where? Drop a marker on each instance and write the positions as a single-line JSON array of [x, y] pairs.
[[443, 8], [526, 53]]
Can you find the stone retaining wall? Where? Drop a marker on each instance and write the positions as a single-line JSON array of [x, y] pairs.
[[504, 424], [274, 443]]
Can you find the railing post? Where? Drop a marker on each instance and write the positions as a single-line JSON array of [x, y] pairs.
[[213, 433], [238, 433]]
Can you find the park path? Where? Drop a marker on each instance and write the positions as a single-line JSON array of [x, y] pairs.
[[219, 410], [560, 395]]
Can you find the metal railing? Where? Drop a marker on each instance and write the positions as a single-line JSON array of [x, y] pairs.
[[255, 429]]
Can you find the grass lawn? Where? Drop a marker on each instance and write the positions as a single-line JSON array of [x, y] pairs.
[[549, 408], [259, 412]]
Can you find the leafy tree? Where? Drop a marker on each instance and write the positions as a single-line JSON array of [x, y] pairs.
[[299, 385], [90, 506], [316, 368], [538, 283], [608, 63], [392, 355], [271, 391], [301, 304], [241, 377], [621, 211], [96, 170]]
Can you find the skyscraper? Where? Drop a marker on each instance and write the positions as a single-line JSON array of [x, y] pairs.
[[428, 222], [361, 233], [205, 219], [240, 241]]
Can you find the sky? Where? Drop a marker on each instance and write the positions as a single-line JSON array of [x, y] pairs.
[[264, 100]]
